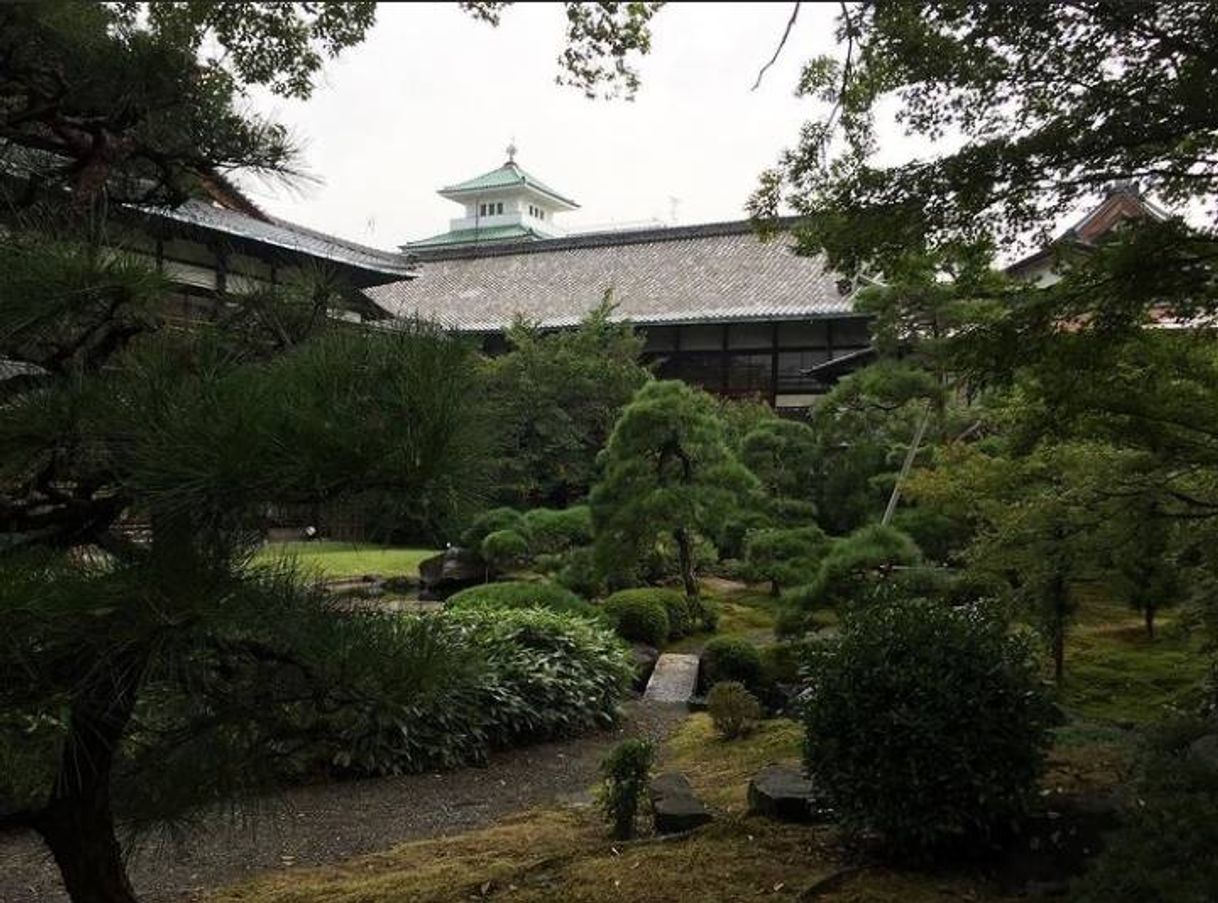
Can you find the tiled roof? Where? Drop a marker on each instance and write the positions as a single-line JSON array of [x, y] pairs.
[[717, 272], [288, 236], [466, 236], [506, 176]]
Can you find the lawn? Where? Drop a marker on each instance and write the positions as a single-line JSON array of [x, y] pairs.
[[346, 559]]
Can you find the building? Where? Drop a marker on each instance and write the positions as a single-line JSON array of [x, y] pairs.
[[720, 307]]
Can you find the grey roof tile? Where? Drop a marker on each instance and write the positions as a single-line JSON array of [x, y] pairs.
[[716, 272]]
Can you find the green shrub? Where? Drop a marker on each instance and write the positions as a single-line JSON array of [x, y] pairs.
[[626, 771], [557, 530], [684, 615], [504, 549], [639, 617], [731, 658], [492, 522], [521, 594], [551, 675], [926, 724], [579, 573], [733, 709], [784, 557], [781, 663]]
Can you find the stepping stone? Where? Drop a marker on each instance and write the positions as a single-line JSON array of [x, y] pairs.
[[782, 792], [674, 678], [674, 805]]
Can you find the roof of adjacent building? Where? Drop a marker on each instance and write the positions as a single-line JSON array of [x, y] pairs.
[[281, 234], [514, 232], [717, 272], [509, 175]]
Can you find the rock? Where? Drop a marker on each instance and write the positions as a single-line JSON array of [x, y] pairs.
[[673, 679], [674, 805], [401, 585], [782, 792], [452, 570], [645, 658], [1205, 750]]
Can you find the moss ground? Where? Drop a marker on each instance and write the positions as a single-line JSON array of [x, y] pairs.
[[344, 559]]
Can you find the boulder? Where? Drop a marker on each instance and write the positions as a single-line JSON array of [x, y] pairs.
[[783, 793], [452, 570], [1205, 750], [645, 658], [674, 805]]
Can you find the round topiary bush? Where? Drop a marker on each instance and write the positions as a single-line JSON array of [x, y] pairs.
[[504, 549], [493, 521], [640, 616], [926, 724], [521, 594], [683, 614], [556, 530], [731, 658]]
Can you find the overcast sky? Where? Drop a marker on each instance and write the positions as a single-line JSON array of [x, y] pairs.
[[433, 97]]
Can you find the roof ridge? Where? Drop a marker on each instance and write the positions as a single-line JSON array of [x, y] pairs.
[[599, 239]]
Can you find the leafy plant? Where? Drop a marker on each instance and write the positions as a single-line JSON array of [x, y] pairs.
[[521, 594], [684, 614], [926, 724], [504, 549], [733, 709], [557, 530], [625, 773], [640, 616], [493, 521], [731, 658], [784, 557]]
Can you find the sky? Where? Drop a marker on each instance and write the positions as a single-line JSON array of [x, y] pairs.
[[433, 96]]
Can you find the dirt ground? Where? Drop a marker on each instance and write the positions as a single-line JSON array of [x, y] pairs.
[[327, 823]]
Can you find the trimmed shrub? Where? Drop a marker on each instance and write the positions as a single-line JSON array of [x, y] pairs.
[[504, 549], [733, 709], [557, 530], [925, 724], [626, 771], [784, 557], [579, 573], [684, 615], [492, 522], [640, 617], [521, 594], [731, 658]]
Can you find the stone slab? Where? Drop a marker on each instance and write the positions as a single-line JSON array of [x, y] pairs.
[[674, 678]]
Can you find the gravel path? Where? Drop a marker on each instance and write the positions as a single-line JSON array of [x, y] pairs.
[[330, 822]]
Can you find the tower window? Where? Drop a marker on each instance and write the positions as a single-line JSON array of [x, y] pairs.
[[499, 207]]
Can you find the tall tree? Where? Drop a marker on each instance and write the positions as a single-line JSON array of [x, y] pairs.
[[666, 470]]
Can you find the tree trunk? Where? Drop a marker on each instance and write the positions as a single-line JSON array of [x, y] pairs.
[[77, 822], [774, 588], [1059, 651], [685, 559], [1149, 613], [79, 830]]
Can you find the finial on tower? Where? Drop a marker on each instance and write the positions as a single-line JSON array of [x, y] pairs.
[[511, 151]]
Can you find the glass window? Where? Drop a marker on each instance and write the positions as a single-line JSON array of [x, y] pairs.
[[853, 332], [705, 370], [806, 333], [750, 335], [749, 373], [701, 338], [499, 207]]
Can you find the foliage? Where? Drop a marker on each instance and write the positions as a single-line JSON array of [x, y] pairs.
[[625, 771], [556, 396], [925, 724], [552, 675], [1163, 848], [578, 571], [640, 616], [493, 521], [857, 568], [733, 709], [552, 531], [782, 454], [784, 557], [731, 658], [520, 594], [666, 471], [685, 615], [504, 549]]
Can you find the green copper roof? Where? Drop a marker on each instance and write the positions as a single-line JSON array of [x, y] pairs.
[[475, 236], [506, 176]]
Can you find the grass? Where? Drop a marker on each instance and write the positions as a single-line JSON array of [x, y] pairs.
[[345, 559], [564, 854], [743, 612], [1115, 673]]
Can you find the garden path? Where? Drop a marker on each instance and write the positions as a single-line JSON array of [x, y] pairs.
[[327, 823]]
